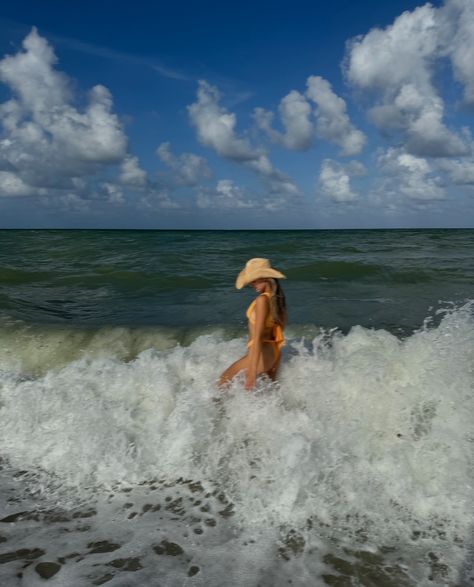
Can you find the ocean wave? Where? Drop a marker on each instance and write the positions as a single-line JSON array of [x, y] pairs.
[[341, 270], [359, 457], [363, 422]]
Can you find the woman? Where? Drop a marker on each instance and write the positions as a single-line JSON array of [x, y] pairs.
[[267, 318]]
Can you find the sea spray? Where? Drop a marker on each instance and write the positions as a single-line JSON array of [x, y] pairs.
[[363, 445]]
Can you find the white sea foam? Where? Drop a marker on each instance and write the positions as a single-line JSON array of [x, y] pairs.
[[365, 439]]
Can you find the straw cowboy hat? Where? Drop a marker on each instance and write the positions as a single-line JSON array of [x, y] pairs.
[[256, 269]]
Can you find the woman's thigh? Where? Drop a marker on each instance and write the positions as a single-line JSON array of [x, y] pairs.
[[265, 364], [267, 359], [232, 371]]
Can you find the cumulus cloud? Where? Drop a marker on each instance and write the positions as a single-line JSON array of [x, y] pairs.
[[295, 114], [458, 19], [46, 140], [395, 66], [226, 195], [131, 173], [157, 198], [334, 181], [332, 121], [460, 171], [408, 176], [397, 54], [187, 169], [30, 74], [216, 129], [12, 185], [113, 193]]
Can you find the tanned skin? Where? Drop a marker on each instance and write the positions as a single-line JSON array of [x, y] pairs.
[[260, 357]]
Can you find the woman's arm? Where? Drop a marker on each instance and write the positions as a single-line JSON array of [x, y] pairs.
[[261, 309]]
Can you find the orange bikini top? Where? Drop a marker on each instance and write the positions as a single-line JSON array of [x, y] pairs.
[[277, 330]]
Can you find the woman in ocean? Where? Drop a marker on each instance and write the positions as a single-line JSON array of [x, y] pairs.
[[266, 318]]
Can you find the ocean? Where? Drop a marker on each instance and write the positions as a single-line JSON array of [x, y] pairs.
[[122, 463]]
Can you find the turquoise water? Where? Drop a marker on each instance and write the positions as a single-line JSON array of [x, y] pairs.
[[122, 463]]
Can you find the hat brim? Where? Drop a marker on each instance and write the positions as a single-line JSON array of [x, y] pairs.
[[245, 277]]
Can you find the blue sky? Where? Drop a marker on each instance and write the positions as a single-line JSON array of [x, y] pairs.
[[253, 115]]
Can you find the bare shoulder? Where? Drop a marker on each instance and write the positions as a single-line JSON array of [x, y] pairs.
[[262, 302]]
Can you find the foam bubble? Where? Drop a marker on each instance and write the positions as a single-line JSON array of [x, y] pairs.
[[365, 439]]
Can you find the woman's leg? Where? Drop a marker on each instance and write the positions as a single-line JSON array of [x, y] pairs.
[[266, 364], [232, 371], [272, 371]]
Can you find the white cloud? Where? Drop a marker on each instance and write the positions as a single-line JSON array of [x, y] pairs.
[[216, 129], [460, 171], [334, 181], [396, 66], [30, 74], [226, 195], [131, 173], [458, 17], [113, 193], [155, 199], [188, 169], [332, 121], [295, 114], [396, 55], [12, 185], [408, 176], [46, 140]]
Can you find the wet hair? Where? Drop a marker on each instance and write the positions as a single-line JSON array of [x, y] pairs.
[[278, 303]]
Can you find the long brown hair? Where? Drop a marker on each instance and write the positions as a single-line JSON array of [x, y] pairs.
[[278, 303]]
